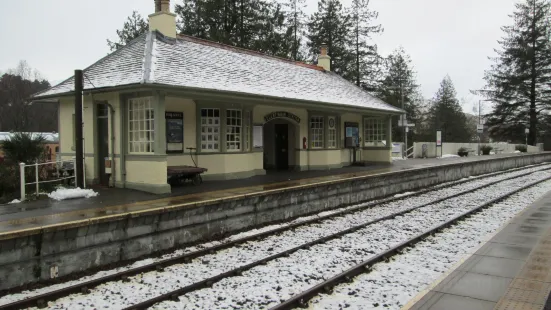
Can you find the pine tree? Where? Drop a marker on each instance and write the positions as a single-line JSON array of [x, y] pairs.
[[330, 25], [447, 115], [134, 26], [366, 61], [518, 81], [295, 24], [399, 80]]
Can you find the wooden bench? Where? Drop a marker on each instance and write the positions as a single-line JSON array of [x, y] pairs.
[[179, 174]]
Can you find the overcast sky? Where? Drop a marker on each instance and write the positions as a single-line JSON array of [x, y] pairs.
[[442, 37]]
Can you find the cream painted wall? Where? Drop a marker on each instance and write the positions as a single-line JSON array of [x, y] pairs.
[[383, 155], [66, 111], [325, 158], [230, 163], [154, 174]]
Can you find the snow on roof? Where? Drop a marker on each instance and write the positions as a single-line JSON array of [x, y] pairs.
[[194, 63], [50, 137]]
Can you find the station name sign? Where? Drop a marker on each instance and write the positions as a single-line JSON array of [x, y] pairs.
[[281, 114]]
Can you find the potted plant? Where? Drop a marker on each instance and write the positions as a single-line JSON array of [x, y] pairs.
[[462, 152], [485, 149], [521, 148]]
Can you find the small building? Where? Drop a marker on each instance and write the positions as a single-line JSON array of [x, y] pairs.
[[51, 143], [242, 112]]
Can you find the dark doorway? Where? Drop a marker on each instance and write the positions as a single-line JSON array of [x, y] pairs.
[[102, 142], [281, 132]]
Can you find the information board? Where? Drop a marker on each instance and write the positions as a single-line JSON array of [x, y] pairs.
[[174, 132], [257, 136], [438, 138]]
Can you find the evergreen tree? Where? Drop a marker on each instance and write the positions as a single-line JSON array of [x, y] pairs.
[[134, 26], [447, 115], [518, 82], [330, 25], [366, 61], [295, 24], [398, 87]]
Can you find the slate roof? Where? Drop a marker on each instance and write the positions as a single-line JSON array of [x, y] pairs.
[[194, 63]]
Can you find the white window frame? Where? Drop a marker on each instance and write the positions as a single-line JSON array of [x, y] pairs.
[[141, 126], [210, 129], [247, 130], [234, 130], [316, 131], [375, 131], [332, 132]]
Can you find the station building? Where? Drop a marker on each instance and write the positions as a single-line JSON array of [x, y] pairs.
[[242, 113]]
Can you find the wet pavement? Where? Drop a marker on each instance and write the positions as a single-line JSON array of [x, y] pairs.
[[511, 271], [113, 201]]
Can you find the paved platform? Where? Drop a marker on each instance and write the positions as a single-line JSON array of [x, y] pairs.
[[512, 270], [112, 201]]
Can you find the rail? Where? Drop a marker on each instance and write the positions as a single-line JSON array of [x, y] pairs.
[[60, 169], [41, 300], [302, 299]]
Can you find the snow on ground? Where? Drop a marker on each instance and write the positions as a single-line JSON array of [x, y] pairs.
[[403, 194], [391, 285], [449, 156], [112, 295], [71, 193], [265, 286], [14, 201]]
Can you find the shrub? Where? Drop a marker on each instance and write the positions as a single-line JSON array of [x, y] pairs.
[[485, 149], [23, 148], [463, 152], [521, 147], [9, 183]]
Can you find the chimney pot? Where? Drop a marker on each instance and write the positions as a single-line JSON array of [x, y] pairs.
[[324, 60], [162, 6], [323, 49], [163, 20]]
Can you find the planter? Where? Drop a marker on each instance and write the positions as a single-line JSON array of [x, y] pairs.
[[485, 152], [463, 154]]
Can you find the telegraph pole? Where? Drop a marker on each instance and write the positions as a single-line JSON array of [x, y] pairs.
[[79, 162]]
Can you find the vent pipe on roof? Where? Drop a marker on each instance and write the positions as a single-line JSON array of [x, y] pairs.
[[324, 60], [163, 20]]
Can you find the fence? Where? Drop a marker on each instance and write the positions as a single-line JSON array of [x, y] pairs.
[[430, 149], [64, 170]]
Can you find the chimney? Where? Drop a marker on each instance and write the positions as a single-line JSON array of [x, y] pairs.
[[162, 20], [324, 60]]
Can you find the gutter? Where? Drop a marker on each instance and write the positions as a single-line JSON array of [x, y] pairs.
[[237, 95]]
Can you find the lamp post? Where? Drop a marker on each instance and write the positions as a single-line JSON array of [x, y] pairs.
[[480, 126]]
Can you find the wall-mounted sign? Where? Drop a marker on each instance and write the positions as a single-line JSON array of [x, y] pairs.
[[281, 114], [257, 137], [174, 132], [439, 138], [351, 130]]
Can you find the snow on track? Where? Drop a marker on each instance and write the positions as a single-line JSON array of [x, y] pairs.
[[265, 286], [391, 285], [115, 295]]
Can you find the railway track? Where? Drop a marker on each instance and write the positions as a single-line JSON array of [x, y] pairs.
[[41, 300], [302, 299]]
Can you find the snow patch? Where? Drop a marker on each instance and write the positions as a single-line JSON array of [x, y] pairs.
[[517, 151], [71, 193], [14, 201], [449, 156], [403, 194]]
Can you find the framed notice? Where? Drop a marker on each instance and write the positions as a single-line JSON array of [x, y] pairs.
[[174, 132], [257, 137], [439, 138], [352, 132]]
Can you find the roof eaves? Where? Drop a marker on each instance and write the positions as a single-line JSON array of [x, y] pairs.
[[132, 42], [401, 111]]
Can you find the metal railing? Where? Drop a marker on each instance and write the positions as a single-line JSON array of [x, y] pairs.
[[61, 173]]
